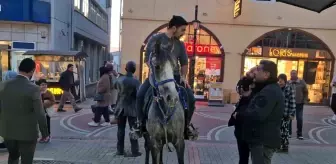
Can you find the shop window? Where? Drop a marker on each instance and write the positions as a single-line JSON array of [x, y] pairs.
[[4, 62], [77, 4], [85, 8]]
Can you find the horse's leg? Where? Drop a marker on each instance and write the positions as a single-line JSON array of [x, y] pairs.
[[180, 146], [156, 148], [147, 147]]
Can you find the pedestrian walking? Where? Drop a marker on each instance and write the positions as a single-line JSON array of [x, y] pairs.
[[262, 119], [289, 111], [301, 97], [48, 100], [127, 87], [67, 83], [103, 98], [21, 112]]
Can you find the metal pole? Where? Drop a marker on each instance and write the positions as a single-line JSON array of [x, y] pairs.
[[193, 58]]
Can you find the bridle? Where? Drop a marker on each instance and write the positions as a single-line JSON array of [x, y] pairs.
[[156, 94]]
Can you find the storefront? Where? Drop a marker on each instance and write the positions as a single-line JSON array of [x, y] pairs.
[[11, 54], [307, 55], [209, 64]]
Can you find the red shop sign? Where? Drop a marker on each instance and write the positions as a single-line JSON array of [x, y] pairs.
[[202, 49]]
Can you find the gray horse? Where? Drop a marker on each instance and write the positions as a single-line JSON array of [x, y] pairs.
[[165, 123]]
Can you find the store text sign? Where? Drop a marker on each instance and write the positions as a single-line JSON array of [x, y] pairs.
[[202, 49], [285, 52], [237, 10]]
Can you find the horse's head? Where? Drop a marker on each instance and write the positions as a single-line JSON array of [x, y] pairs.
[[162, 65]]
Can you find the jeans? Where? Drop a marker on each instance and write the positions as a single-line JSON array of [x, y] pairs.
[[299, 119], [141, 98], [121, 133], [99, 112], [261, 154], [244, 151]]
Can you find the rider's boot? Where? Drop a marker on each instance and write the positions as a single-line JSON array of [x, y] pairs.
[[190, 132]]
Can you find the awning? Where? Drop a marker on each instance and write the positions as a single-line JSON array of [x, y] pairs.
[[313, 5], [76, 54]]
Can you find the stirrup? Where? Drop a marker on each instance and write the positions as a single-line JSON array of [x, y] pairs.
[[192, 132], [135, 134]]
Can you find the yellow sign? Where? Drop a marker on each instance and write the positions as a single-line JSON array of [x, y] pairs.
[[283, 52], [56, 91], [237, 8]]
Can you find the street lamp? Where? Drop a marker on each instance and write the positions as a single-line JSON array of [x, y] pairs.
[[196, 24]]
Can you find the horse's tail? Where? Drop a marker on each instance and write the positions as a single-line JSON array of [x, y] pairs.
[[170, 149]]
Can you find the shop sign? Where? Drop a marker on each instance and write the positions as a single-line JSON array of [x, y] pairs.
[[216, 91], [237, 8], [286, 52], [202, 49], [254, 51], [56, 91]]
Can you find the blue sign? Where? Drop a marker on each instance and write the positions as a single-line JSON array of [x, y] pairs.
[[25, 11]]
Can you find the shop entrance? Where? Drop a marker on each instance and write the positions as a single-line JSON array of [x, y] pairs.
[[309, 56], [209, 64]]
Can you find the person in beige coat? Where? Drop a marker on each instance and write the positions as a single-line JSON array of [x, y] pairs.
[[104, 88]]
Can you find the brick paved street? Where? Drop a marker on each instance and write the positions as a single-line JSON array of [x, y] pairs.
[[74, 141]]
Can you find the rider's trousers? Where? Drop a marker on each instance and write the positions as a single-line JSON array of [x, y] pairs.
[[141, 97]]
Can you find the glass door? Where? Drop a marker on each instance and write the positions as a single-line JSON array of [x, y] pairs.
[[207, 71], [286, 66], [4, 58]]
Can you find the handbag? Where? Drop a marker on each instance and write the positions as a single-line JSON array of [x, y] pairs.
[[50, 111], [99, 97]]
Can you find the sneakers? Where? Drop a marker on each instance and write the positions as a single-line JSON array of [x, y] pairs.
[[93, 124], [78, 109], [105, 124], [300, 137], [334, 117]]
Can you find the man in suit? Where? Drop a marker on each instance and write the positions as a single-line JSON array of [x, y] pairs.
[[127, 87], [21, 111]]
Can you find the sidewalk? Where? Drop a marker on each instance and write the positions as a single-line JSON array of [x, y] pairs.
[[75, 142], [103, 152]]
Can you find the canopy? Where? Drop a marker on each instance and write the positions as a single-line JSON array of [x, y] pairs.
[[313, 5], [77, 54]]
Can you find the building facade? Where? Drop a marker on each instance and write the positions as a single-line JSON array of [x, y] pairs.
[[226, 47], [24, 25], [82, 25]]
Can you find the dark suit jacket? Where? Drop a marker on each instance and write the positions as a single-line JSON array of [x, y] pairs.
[[262, 118], [67, 80], [127, 87], [21, 110]]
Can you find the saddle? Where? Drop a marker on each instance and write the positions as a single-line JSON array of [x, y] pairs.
[[149, 98]]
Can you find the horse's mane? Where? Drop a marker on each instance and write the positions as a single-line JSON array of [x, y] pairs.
[[162, 53]]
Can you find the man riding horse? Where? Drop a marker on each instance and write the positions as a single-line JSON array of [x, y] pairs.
[[176, 29]]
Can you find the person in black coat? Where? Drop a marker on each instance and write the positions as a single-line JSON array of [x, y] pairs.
[[244, 87], [262, 117]]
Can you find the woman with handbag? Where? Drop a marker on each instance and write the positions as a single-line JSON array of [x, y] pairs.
[[48, 101], [103, 98]]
